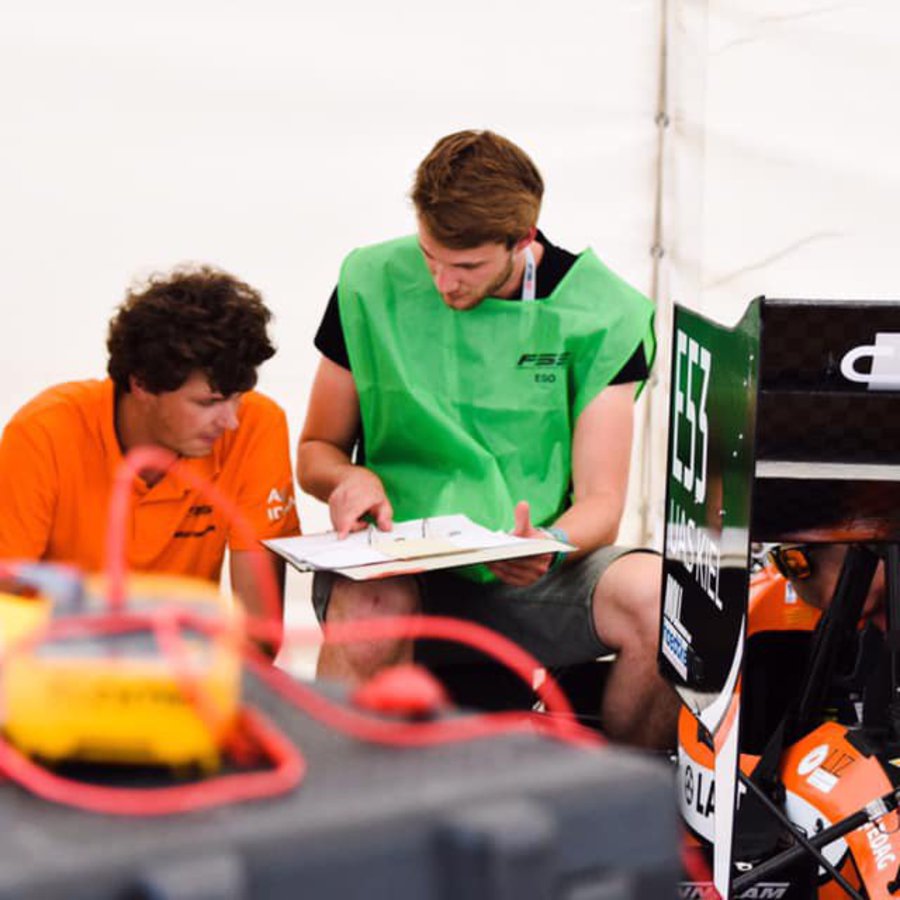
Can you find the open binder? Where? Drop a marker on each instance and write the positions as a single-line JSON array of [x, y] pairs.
[[419, 545]]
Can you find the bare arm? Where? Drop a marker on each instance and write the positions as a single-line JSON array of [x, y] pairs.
[[601, 452], [601, 457], [246, 584], [324, 468]]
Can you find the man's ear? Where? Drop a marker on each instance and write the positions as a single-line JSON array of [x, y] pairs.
[[136, 387], [522, 243]]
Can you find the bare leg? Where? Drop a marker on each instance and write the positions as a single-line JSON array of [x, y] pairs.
[[639, 707], [350, 600]]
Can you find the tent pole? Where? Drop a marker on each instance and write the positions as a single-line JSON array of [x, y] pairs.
[[657, 251]]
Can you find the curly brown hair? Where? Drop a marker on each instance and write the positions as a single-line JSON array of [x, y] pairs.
[[194, 318], [476, 187]]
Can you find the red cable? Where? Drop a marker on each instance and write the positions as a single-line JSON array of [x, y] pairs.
[[134, 462], [289, 769], [402, 733], [558, 721], [288, 765], [132, 465], [493, 644], [166, 622]]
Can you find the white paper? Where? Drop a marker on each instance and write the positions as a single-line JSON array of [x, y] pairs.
[[415, 539]]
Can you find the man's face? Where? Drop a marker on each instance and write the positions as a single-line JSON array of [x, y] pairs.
[[189, 420], [826, 561], [465, 277]]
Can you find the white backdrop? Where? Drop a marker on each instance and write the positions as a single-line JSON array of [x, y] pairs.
[[782, 170], [270, 142], [269, 138]]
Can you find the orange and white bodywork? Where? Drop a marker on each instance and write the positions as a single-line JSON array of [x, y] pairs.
[[825, 775]]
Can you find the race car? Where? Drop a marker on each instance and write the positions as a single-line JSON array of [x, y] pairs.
[[834, 778]]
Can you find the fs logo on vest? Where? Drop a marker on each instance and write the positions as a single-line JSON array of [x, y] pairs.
[[543, 361]]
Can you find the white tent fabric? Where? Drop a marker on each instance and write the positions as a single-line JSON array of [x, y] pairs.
[[782, 171], [270, 138]]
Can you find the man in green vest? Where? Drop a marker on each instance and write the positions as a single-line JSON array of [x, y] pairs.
[[477, 368]]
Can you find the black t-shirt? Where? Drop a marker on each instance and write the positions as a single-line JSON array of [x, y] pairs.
[[554, 265]]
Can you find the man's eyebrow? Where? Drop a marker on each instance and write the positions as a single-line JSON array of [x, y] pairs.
[[469, 264]]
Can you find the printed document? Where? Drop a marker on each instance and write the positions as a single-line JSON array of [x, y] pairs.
[[418, 545]]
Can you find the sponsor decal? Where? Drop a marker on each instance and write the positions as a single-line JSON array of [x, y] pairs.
[[697, 804], [822, 767], [197, 529], [195, 534], [672, 603], [279, 503], [695, 548], [884, 371], [697, 797], [690, 398], [837, 762], [822, 780], [705, 890], [675, 646], [880, 845], [812, 760], [686, 541], [123, 696]]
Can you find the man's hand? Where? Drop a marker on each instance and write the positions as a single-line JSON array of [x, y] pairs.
[[528, 569], [359, 493]]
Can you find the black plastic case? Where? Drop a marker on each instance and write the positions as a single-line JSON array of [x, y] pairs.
[[507, 818]]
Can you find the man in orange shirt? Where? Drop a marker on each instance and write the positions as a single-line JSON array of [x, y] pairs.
[[183, 353]]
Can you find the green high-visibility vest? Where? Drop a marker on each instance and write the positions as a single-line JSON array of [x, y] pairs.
[[472, 411]]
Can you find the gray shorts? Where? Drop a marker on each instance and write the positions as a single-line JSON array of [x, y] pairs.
[[551, 618]]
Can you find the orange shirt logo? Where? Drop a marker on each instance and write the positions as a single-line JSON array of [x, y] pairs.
[[279, 504]]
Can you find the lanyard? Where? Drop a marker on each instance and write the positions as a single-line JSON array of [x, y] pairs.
[[528, 281]]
